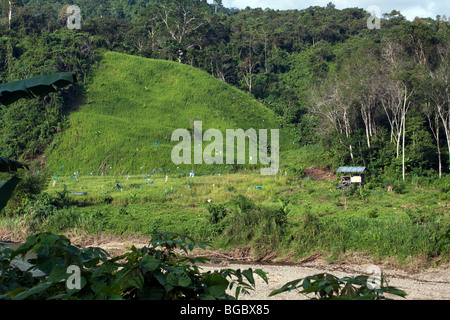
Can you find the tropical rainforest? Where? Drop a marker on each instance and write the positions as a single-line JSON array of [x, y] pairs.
[[371, 97]]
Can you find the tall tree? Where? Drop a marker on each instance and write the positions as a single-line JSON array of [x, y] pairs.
[[361, 71], [10, 4], [332, 101], [186, 22], [434, 123], [217, 4], [438, 83], [397, 94]]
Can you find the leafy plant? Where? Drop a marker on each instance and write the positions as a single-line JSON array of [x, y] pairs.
[[61, 198], [107, 198], [373, 213], [33, 87], [399, 187], [284, 206], [7, 188], [25, 194], [132, 197], [444, 239], [217, 213], [326, 286], [242, 203], [153, 272], [6, 191], [363, 194]]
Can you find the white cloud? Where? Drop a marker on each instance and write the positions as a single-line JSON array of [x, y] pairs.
[[417, 11]]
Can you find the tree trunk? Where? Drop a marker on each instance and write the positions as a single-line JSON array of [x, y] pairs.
[[10, 14], [444, 118], [399, 135], [266, 66], [436, 133], [403, 146], [448, 142], [404, 111], [439, 152], [347, 133], [365, 117]]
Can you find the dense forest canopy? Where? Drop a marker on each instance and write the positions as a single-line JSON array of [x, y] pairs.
[[372, 97]]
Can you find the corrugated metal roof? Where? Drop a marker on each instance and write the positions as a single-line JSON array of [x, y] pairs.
[[351, 169]]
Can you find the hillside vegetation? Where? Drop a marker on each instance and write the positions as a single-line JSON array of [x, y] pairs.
[[348, 95], [131, 107]]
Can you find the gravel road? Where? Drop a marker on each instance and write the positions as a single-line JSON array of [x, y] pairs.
[[433, 284]]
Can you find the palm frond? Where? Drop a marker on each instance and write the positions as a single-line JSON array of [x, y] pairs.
[[34, 87], [9, 165]]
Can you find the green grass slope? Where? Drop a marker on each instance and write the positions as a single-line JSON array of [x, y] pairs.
[[133, 105]]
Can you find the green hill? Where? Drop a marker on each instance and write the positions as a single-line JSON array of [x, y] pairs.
[[131, 107]]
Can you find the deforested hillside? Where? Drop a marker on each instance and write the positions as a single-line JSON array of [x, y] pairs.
[[131, 107]]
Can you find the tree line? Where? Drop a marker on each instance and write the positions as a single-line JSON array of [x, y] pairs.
[[377, 98]]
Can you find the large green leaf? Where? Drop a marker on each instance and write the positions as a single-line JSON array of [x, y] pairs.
[[35, 290], [34, 87], [6, 190], [150, 263], [216, 284], [8, 165], [28, 89]]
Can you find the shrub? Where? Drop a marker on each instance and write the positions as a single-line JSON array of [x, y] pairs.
[[399, 187], [61, 200], [263, 226], [444, 187], [351, 190], [25, 193], [370, 185], [132, 197], [106, 198], [389, 183], [373, 213], [243, 203], [41, 208], [217, 212], [329, 287]]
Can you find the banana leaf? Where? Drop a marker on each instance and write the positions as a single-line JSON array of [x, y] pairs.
[[8, 165], [26, 89], [33, 87], [6, 190]]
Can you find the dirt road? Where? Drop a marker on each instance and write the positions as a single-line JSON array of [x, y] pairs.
[[433, 284]]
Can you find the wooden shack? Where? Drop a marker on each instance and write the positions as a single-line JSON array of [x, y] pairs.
[[351, 175]]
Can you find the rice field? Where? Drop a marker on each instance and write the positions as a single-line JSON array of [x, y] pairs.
[[161, 187]]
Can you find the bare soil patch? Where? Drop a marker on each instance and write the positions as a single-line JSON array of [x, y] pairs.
[[319, 173]]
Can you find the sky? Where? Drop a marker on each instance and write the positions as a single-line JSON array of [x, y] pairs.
[[409, 8]]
